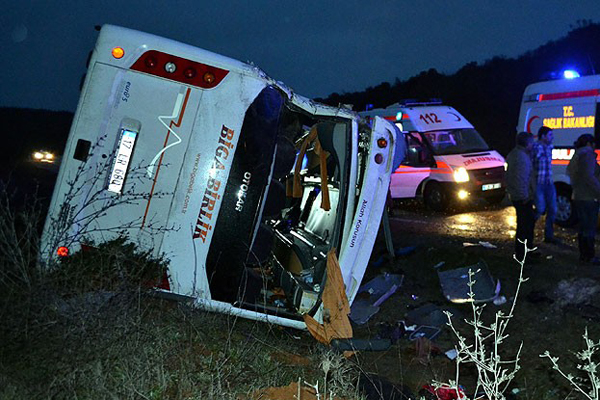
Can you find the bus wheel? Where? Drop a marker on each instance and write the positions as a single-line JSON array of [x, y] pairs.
[[565, 213], [435, 197]]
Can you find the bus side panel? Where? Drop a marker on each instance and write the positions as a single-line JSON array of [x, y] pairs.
[[161, 112], [203, 178]]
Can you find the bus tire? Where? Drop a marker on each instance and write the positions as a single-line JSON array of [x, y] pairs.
[[435, 197], [565, 212]]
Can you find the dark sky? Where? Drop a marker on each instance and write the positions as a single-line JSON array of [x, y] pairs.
[[315, 46]]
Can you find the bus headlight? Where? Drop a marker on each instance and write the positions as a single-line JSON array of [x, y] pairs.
[[461, 175]]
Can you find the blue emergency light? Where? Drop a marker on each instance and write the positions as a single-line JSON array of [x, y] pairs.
[[570, 74]]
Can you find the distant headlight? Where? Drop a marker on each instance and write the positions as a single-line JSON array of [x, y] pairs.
[[461, 175], [506, 166], [43, 156]]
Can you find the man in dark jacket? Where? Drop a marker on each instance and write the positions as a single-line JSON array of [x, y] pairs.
[[520, 188], [585, 180]]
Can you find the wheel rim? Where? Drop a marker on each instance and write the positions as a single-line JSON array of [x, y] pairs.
[[435, 197], [564, 208]]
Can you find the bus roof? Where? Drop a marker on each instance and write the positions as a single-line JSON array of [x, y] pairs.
[[142, 42]]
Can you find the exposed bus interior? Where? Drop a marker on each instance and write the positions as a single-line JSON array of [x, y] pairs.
[[279, 266]]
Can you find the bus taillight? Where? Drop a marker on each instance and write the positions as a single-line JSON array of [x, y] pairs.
[[189, 73], [209, 78], [62, 251], [150, 62], [179, 69]]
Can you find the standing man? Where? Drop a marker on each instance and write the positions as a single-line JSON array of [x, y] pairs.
[[585, 180], [520, 188], [545, 192]]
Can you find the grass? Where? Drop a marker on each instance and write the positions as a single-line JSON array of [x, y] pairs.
[[131, 345], [90, 328]]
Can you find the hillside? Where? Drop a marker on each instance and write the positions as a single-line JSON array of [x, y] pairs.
[[489, 94]]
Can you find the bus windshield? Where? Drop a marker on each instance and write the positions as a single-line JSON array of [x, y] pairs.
[[456, 141]]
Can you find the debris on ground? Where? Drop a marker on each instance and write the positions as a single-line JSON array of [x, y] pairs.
[[392, 331], [451, 354], [336, 308], [424, 332], [427, 314], [455, 284], [499, 300], [481, 243], [443, 392], [372, 294]]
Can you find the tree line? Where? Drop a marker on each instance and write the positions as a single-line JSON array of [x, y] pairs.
[[489, 94]]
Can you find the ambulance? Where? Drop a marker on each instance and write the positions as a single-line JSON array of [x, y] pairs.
[[447, 161], [249, 190], [569, 107]]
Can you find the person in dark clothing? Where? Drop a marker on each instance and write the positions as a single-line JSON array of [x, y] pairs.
[[520, 188], [545, 192], [585, 180]]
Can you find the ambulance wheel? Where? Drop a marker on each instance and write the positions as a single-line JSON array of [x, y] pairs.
[[565, 212], [435, 197]]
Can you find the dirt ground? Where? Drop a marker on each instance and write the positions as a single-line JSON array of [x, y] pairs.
[[556, 304]]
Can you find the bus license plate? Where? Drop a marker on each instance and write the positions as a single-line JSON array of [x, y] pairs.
[[491, 186], [121, 163]]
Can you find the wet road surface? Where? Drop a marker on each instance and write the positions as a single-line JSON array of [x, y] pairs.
[[494, 224], [491, 224]]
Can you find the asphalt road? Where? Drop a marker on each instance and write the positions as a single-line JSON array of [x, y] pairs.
[[472, 223], [497, 223]]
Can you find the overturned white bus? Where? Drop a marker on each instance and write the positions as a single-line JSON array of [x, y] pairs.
[[241, 184]]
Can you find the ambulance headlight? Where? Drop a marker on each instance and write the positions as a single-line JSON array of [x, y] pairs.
[[461, 175]]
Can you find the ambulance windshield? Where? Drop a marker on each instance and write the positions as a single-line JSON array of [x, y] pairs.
[[456, 141]]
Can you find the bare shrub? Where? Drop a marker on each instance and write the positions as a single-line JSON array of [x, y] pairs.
[[19, 241], [494, 373], [589, 385]]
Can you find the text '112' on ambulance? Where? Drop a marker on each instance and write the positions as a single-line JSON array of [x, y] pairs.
[[447, 160]]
